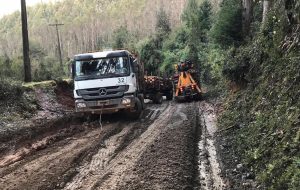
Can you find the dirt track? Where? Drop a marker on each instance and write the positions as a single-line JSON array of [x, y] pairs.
[[171, 147]]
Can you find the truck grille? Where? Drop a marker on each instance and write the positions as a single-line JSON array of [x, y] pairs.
[[103, 93]]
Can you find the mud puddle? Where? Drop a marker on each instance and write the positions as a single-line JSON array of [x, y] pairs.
[[209, 167]]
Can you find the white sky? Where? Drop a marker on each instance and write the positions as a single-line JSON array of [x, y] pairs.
[[9, 6]]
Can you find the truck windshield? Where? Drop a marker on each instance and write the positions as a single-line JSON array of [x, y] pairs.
[[102, 68]]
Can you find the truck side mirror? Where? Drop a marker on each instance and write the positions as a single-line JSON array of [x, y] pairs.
[[73, 69], [135, 66]]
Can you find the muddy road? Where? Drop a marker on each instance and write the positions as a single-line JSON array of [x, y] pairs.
[[170, 147]]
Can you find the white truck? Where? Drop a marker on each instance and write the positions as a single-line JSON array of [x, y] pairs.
[[108, 82]]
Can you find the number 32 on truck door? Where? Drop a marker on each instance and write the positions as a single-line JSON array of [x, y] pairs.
[[121, 80]]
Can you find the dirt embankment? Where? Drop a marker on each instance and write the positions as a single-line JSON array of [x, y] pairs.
[[52, 104]]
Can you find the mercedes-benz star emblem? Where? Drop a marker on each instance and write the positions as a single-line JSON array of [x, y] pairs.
[[102, 92]]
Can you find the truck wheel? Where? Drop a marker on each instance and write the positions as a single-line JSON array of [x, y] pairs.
[[158, 98], [138, 109], [169, 95], [141, 98], [198, 97]]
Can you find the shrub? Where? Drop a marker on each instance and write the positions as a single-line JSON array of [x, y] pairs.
[[10, 90], [227, 30]]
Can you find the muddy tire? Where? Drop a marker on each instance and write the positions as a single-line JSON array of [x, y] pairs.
[[136, 114], [158, 98], [198, 97], [141, 98], [169, 95]]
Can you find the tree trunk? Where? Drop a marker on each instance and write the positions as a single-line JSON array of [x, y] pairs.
[[27, 65], [266, 9], [247, 16]]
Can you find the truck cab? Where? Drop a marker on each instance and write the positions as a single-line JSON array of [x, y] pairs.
[[108, 82]]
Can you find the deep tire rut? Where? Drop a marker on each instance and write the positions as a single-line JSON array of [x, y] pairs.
[[53, 165], [171, 147], [110, 167], [208, 161]]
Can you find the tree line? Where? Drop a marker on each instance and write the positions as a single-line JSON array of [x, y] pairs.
[[89, 25]]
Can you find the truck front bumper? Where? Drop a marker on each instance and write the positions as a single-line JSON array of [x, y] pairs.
[[105, 106]]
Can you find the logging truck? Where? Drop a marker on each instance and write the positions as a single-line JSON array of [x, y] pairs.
[[113, 81]]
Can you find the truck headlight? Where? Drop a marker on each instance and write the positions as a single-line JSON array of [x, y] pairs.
[[81, 105], [126, 101]]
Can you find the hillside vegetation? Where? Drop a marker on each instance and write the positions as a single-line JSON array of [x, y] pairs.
[[264, 116]]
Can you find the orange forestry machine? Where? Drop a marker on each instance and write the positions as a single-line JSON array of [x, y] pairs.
[[187, 82]]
